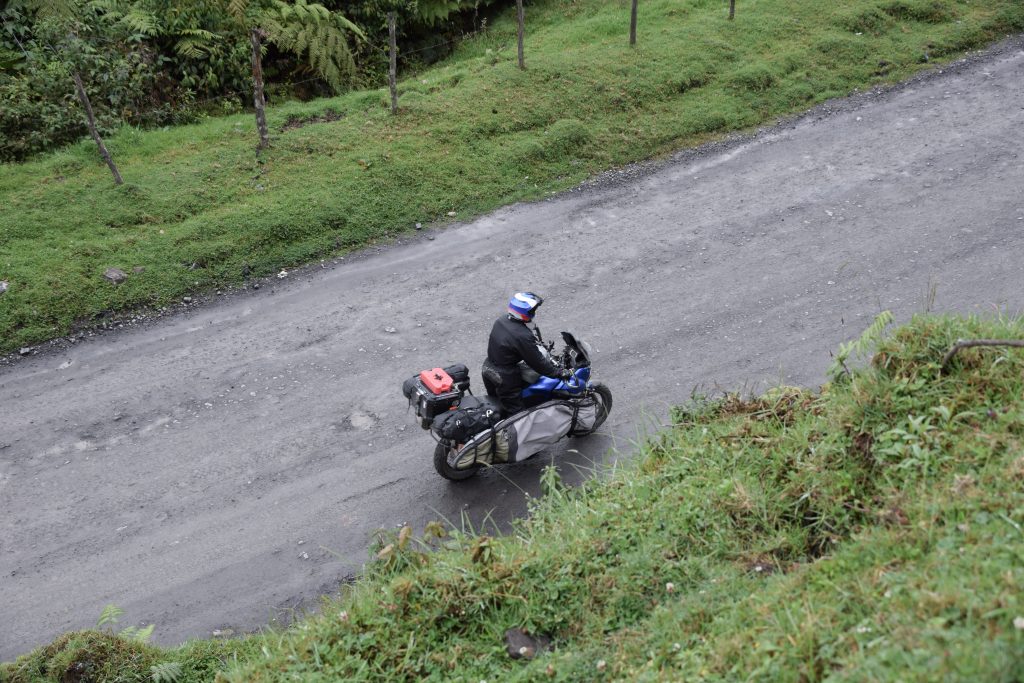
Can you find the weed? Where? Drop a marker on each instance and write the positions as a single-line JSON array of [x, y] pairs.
[[859, 347]]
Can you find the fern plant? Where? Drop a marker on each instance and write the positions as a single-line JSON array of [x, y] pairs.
[[165, 672], [139, 635], [111, 614], [860, 347], [433, 12], [133, 16], [307, 29]]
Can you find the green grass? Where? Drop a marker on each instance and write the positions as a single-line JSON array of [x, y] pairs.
[[869, 531], [198, 211]]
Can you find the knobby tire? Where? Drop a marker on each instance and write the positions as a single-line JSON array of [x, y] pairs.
[[447, 471]]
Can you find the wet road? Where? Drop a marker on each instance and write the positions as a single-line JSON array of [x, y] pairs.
[[222, 468]]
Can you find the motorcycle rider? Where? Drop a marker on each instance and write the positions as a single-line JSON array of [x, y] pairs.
[[511, 341]]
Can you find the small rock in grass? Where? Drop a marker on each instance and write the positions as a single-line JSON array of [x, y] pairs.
[[521, 645], [187, 299], [138, 269], [4, 286], [419, 226], [115, 275], [451, 213], [25, 350]]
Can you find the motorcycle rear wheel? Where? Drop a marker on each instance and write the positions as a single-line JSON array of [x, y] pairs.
[[447, 471]]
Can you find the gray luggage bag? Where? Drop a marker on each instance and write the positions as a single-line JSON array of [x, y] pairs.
[[516, 438]]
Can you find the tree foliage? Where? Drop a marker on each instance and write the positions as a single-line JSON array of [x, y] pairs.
[[303, 28], [433, 12], [40, 51], [159, 62]]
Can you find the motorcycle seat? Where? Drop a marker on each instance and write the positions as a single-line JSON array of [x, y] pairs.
[[491, 403]]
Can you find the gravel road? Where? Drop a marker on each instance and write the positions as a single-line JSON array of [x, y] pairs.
[[220, 468]]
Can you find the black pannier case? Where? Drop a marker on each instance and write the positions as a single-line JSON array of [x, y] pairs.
[[429, 405]]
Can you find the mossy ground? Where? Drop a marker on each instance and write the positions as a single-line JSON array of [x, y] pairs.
[[873, 530], [199, 211]]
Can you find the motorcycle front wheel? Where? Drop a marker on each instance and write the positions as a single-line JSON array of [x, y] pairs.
[[604, 404], [447, 471]]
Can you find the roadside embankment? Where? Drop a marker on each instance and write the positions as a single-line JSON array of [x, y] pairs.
[[872, 529]]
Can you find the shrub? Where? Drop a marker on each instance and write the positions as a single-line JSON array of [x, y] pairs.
[[34, 118], [868, 20], [527, 152], [39, 109], [928, 11], [842, 50], [1009, 19], [694, 76], [756, 78], [566, 136], [966, 36]]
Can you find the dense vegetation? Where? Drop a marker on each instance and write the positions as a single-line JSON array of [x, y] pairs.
[[154, 62], [199, 210], [869, 531]]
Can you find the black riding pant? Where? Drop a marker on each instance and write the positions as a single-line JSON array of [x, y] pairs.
[[506, 385]]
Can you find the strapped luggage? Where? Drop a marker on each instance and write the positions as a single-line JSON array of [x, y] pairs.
[[527, 433], [473, 416]]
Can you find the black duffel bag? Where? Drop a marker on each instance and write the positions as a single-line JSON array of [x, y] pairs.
[[460, 376], [471, 417]]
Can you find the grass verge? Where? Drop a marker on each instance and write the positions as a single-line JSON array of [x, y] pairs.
[[870, 531], [198, 210]]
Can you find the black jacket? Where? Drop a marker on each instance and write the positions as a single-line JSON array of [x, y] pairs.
[[512, 341]]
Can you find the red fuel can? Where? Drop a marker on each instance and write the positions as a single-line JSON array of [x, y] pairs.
[[437, 380]]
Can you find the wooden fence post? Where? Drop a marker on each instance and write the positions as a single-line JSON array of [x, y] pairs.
[[258, 101], [393, 62], [93, 131], [732, 9], [522, 30], [632, 24]]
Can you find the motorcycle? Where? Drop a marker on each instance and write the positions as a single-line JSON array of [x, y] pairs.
[[471, 432]]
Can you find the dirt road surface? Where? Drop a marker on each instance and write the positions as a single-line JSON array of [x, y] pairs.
[[221, 468]]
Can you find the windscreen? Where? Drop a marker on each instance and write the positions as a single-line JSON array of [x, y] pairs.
[[579, 349]]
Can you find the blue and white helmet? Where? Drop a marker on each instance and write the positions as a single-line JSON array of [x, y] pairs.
[[523, 306]]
